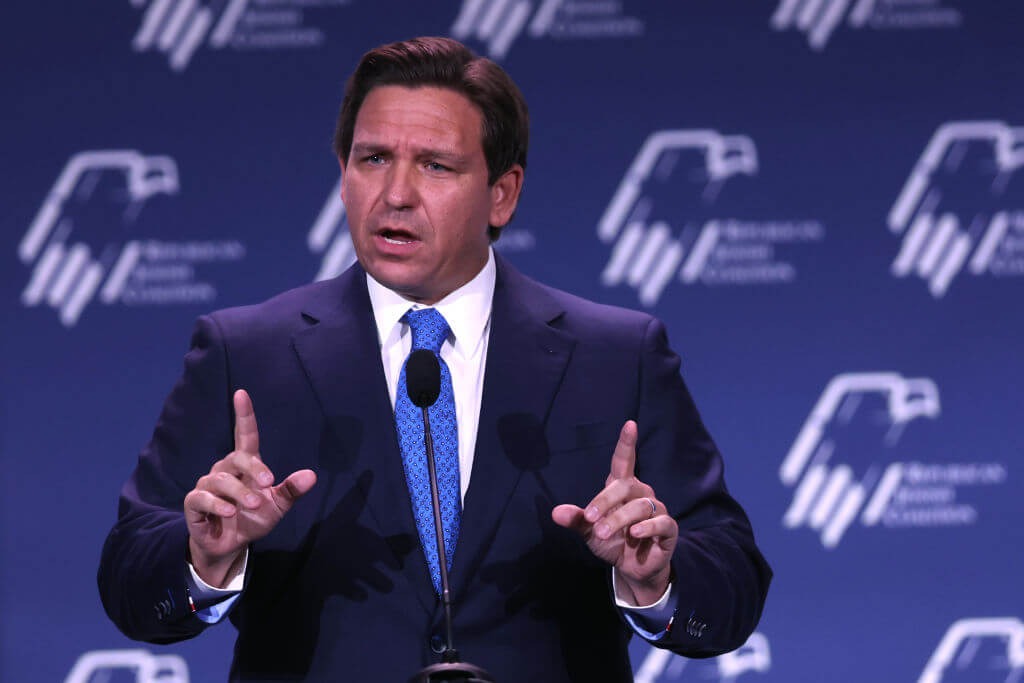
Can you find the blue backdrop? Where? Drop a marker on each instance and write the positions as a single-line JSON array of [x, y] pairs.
[[823, 199]]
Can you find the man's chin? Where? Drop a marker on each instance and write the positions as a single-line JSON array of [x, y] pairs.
[[404, 281]]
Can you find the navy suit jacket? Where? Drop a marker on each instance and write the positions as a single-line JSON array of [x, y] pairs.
[[340, 590]]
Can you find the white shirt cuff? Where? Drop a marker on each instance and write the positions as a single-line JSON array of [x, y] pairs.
[[661, 603], [648, 621], [221, 599]]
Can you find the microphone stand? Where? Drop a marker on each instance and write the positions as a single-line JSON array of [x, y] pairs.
[[450, 669]]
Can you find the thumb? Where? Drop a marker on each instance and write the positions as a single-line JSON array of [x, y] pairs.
[[294, 487], [569, 516]]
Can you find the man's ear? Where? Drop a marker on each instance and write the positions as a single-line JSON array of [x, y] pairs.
[[505, 195]]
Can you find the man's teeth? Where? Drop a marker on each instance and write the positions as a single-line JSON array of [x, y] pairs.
[[392, 240]]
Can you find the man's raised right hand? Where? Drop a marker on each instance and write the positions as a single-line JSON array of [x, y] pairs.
[[237, 502]]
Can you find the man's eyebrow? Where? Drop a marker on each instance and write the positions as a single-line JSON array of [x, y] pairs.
[[446, 154], [371, 146], [359, 148], [440, 153]]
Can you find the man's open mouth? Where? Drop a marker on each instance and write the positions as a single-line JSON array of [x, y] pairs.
[[397, 236]]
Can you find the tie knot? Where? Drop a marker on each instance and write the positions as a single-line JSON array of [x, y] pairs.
[[429, 328]]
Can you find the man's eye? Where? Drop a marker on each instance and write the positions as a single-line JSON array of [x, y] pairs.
[[434, 166], [375, 159]]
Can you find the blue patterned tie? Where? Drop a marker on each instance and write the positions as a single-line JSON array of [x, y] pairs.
[[429, 330]]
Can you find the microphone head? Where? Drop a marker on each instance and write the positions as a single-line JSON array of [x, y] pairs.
[[423, 378]]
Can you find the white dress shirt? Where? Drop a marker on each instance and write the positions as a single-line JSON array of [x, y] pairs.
[[468, 313]]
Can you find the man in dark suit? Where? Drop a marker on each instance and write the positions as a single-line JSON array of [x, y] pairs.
[[587, 498]]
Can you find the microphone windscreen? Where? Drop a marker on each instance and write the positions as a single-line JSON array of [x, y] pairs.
[[423, 378]]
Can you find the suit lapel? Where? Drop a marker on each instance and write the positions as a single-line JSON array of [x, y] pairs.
[[341, 355], [526, 359]]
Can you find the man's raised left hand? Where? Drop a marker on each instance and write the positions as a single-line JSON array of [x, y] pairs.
[[627, 526]]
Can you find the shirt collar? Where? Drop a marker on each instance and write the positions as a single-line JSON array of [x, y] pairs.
[[467, 310]]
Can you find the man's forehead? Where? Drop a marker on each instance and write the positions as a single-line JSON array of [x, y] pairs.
[[430, 106], [431, 96]]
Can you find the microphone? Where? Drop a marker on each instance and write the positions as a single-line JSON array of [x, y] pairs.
[[423, 378], [423, 384]]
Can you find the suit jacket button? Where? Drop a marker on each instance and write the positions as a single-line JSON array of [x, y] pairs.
[[437, 643]]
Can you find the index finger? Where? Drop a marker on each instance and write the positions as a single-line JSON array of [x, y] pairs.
[[247, 436], [624, 457]]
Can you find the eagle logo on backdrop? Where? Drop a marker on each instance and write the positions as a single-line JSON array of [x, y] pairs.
[[103, 665], [819, 19], [498, 24], [962, 208], [661, 666], [67, 274], [665, 221], [829, 493], [845, 463], [978, 650], [85, 239], [645, 254]]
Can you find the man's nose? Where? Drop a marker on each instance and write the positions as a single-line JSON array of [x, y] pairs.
[[401, 192]]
